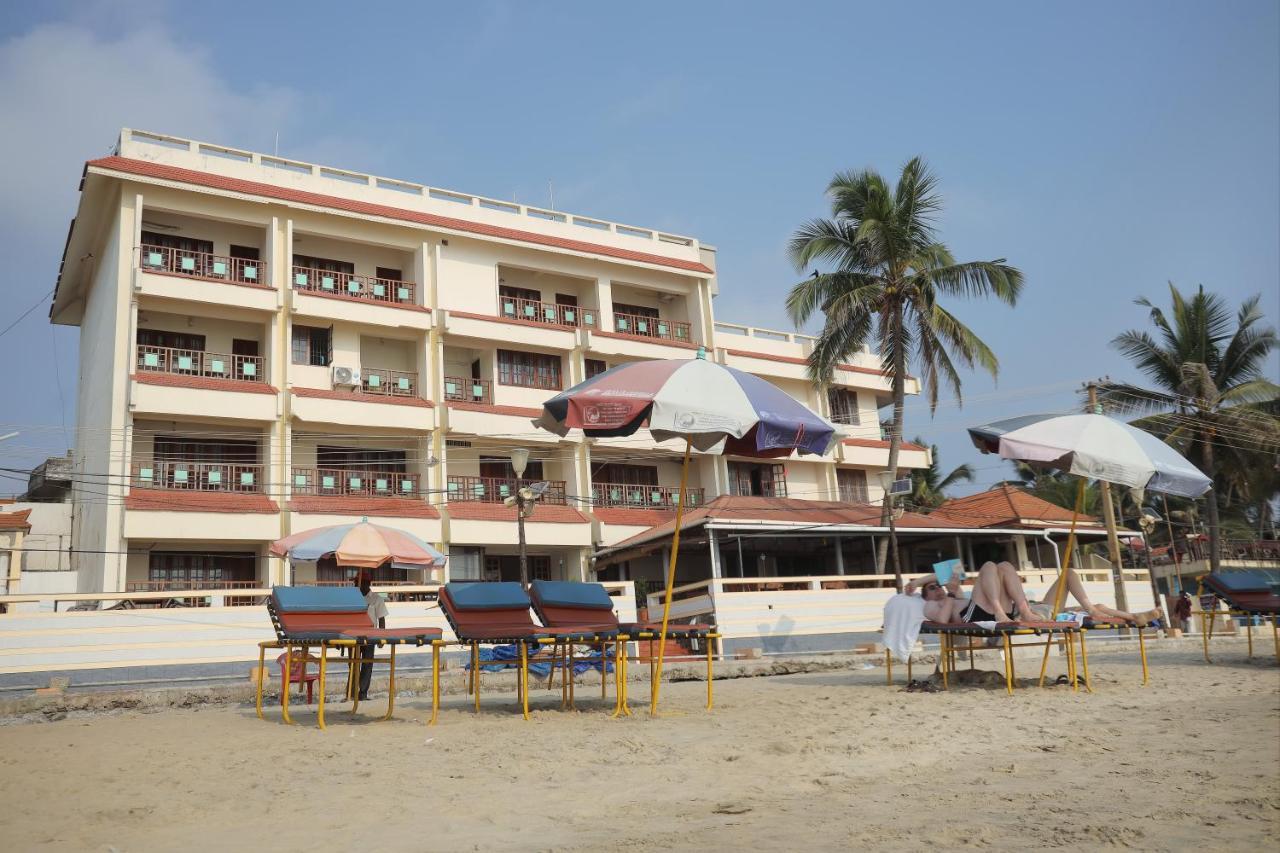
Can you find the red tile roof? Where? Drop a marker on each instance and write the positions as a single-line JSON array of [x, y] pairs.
[[645, 338], [170, 500], [515, 411], [633, 517], [383, 507], [237, 185], [206, 383], [357, 397], [880, 443], [1007, 506], [731, 508], [481, 511], [320, 294], [15, 520]]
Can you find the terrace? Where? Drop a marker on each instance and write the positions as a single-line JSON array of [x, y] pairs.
[[194, 362], [635, 496], [498, 489], [202, 265], [349, 482]]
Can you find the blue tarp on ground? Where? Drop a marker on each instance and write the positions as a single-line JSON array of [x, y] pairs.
[[512, 654]]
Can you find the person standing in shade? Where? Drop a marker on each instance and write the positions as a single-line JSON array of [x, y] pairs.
[[1182, 612], [378, 616]]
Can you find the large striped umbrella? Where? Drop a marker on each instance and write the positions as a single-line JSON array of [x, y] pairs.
[[362, 545], [712, 407]]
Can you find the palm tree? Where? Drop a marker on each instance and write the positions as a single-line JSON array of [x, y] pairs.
[[928, 486], [1209, 397], [887, 272]]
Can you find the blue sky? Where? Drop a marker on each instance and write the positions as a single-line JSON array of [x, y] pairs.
[[1104, 148]]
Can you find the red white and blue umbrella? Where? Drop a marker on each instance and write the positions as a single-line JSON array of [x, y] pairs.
[[712, 406], [362, 545]]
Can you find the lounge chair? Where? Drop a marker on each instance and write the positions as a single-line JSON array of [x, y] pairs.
[[1004, 632], [1249, 594], [338, 617], [498, 614], [568, 603]]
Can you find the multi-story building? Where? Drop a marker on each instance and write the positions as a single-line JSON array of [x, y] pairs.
[[269, 346]]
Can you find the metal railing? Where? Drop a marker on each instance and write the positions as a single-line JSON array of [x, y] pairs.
[[498, 489], [643, 497], [515, 308], [389, 383], [197, 476], [346, 482], [650, 327], [188, 585], [384, 290], [463, 390], [202, 265], [189, 362]]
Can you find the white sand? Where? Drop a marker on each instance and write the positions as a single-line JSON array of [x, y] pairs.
[[830, 760]]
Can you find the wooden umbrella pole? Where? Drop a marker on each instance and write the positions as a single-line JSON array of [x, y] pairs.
[[671, 579], [1071, 546]]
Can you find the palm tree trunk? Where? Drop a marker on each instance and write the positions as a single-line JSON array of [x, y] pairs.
[[1211, 503], [895, 444]]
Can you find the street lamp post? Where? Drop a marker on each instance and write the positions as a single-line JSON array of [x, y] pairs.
[[519, 462]]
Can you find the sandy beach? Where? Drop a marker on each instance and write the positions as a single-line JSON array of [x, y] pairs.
[[817, 760]]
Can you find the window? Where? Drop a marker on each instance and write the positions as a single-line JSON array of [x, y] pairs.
[[168, 448], [529, 370], [595, 367], [507, 568], [183, 245], [312, 346], [388, 274], [178, 569], [500, 467], [519, 293], [465, 563], [361, 459], [635, 310], [245, 253], [325, 264], [853, 485], [843, 404], [750, 479], [631, 475], [172, 340]]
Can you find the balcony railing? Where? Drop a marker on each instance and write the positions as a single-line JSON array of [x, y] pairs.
[[166, 586], [642, 497], [498, 489], [514, 308], [346, 482], [463, 390], [384, 290], [650, 327], [198, 476], [389, 383], [202, 265], [189, 362]]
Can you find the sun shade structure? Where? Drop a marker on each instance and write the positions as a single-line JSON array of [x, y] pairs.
[[714, 408], [1096, 447], [1091, 447], [362, 545]]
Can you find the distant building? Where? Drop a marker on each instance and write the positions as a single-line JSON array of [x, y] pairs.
[[50, 480], [269, 346]]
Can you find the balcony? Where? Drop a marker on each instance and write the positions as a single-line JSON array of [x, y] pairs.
[[202, 265], [198, 476], [498, 489], [553, 313], [210, 365], [463, 390], [650, 327], [389, 383], [642, 497], [344, 482], [384, 291]]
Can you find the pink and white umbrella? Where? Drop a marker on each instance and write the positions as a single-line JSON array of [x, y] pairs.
[[362, 545]]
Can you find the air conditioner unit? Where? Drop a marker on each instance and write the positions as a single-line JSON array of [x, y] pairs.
[[349, 376]]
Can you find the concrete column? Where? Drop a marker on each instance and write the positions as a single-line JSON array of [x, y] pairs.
[[713, 548], [604, 302], [839, 557], [1020, 549]]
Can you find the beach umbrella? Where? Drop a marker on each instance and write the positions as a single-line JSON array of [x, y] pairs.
[[363, 545], [714, 408]]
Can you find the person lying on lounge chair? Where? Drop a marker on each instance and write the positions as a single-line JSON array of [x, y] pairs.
[[998, 597]]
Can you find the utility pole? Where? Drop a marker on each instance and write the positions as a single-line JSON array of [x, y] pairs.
[[1109, 516], [1173, 549]]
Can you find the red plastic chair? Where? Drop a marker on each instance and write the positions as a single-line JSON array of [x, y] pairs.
[[298, 675]]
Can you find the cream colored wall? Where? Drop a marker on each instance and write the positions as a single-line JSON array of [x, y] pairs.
[[465, 461], [806, 480], [799, 390], [222, 234], [549, 284], [467, 277], [305, 444], [388, 353], [218, 333]]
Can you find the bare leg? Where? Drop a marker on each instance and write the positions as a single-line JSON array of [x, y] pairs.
[[999, 590], [1098, 611]]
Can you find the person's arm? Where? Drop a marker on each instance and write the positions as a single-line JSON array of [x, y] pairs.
[[916, 583]]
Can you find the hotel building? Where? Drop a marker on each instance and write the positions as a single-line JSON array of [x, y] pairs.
[[269, 346]]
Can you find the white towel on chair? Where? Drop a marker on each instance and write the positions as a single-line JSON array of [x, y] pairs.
[[903, 615]]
